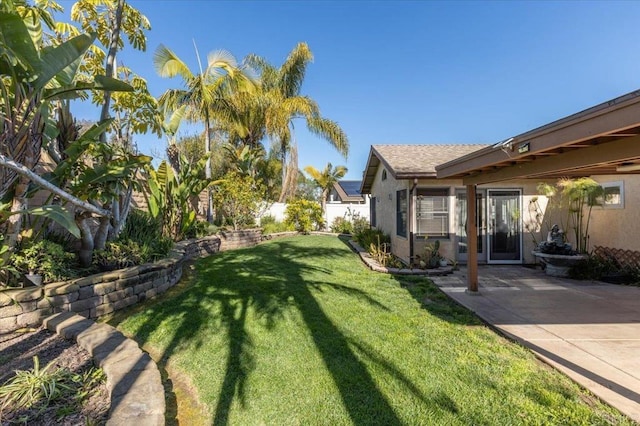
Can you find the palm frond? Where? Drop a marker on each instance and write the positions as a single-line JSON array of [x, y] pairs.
[[168, 64], [293, 70], [331, 132]]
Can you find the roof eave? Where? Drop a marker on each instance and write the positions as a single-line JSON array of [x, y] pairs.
[[572, 128]]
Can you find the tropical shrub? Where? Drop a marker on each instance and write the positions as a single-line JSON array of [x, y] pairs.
[[304, 216], [202, 228], [239, 197], [170, 193], [146, 231], [31, 392]]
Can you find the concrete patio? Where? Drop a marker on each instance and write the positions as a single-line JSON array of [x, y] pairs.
[[589, 330]]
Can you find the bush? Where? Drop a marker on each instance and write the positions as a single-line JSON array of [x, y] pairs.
[[145, 232], [47, 259], [341, 225], [368, 236], [360, 224], [118, 255], [272, 228], [267, 220], [304, 215], [202, 228], [239, 198]]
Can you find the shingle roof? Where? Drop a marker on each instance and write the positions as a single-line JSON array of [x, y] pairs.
[[412, 161], [420, 159]]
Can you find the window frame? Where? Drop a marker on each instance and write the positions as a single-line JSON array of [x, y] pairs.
[[445, 213], [372, 212], [402, 222], [619, 184]]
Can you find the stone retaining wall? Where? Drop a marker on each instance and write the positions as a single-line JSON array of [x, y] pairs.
[[101, 294]]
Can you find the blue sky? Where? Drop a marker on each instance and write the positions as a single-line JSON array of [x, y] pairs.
[[413, 71]]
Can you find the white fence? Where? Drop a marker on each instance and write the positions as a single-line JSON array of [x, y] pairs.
[[333, 210]]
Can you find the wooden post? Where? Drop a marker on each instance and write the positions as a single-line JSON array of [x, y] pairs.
[[472, 240]]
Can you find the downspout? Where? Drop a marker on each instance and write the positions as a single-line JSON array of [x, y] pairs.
[[412, 218]]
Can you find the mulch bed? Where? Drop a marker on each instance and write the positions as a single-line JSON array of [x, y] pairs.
[[16, 353]]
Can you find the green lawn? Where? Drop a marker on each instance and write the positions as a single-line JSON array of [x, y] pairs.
[[296, 331]]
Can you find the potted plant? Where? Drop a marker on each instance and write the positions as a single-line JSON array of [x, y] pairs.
[[431, 258]]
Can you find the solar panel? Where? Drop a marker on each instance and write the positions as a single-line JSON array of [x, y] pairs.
[[351, 187]]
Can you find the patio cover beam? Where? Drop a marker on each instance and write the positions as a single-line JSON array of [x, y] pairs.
[[472, 241], [621, 150], [614, 117]]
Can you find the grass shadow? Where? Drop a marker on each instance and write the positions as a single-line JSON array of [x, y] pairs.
[[268, 280], [435, 301]]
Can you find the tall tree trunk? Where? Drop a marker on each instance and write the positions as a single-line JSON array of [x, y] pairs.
[[323, 202], [111, 61], [19, 205], [102, 233], [85, 254], [207, 167], [290, 176], [110, 71], [29, 145]]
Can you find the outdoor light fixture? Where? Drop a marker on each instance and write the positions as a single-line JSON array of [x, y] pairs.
[[634, 167], [507, 143]]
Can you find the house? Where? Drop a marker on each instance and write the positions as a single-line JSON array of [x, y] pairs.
[[346, 200], [419, 192], [414, 207]]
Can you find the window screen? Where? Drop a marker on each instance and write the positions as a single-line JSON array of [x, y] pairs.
[[432, 212]]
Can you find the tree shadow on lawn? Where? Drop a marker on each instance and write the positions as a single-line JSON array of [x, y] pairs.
[[435, 301], [269, 280], [430, 297]]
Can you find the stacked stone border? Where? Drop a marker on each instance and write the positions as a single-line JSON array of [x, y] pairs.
[[101, 294], [134, 383], [375, 266]]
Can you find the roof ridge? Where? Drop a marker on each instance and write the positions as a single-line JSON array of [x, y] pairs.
[[431, 144]]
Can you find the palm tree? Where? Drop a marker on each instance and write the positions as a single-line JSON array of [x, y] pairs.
[[325, 179], [271, 110], [201, 90]]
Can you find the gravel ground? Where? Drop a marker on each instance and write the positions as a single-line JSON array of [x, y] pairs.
[[16, 353]]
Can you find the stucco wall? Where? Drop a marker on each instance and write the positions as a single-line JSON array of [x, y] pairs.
[[615, 227], [385, 193]]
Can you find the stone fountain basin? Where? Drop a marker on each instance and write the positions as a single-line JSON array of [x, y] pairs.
[[558, 265]]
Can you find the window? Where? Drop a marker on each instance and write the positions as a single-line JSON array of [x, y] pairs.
[[432, 212], [372, 212], [384, 174], [401, 213], [613, 195]]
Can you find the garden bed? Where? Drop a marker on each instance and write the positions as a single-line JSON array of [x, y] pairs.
[[17, 350]]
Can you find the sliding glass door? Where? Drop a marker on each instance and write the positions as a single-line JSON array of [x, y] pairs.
[[504, 226]]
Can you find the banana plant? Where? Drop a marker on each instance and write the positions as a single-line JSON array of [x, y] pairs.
[[170, 195]]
